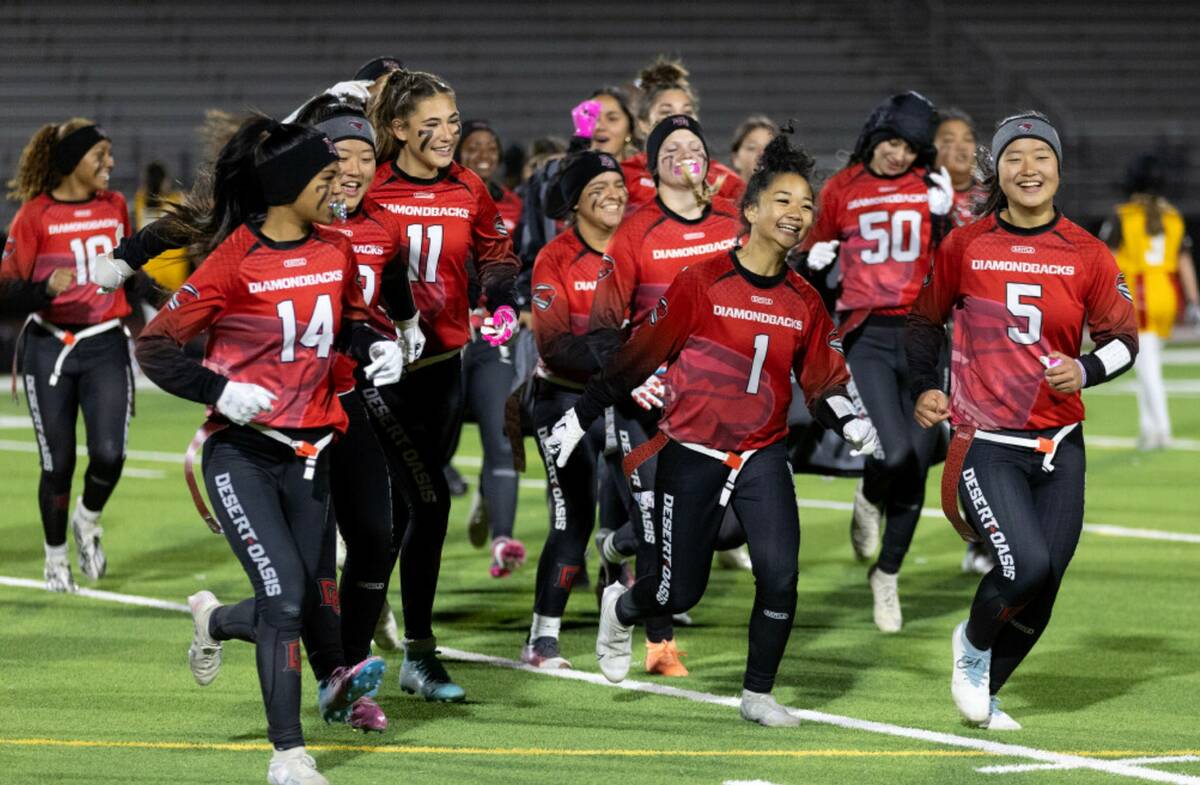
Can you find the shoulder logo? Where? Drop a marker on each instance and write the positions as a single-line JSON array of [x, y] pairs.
[[835, 341], [501, 229], [186, 294], [660, 311], [607, 264], [1026, 249], [1123, 287], [543, 295], [928, 278]]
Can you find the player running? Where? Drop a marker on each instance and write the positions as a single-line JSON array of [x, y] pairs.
[[881, 210], [74, 353], [1020, 284], [732, 329], [276, 297]]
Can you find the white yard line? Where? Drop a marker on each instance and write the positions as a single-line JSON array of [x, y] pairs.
[[1062, 766], [1117, 768]]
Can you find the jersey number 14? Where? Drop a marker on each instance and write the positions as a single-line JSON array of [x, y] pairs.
[[317, 335]]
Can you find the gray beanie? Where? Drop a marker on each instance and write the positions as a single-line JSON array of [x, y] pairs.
[[1025, 126]]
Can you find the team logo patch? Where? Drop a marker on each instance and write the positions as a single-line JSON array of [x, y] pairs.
[[329, 595], [186, 294], [292, 655], [1123, 287], [1026, 126], [543, 295], [835, 341], [501, 229], [607, 265], [660, 311], [9, 247], [608, 162]]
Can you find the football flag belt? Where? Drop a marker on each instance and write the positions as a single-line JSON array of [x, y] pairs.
[[734, 460], [68, 339], [309, 451], [956, 455]]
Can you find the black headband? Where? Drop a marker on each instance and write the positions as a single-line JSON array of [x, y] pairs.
[[666, 127], [71, 149], [347, 125], [283, 176], [574, 175], [373, 69]]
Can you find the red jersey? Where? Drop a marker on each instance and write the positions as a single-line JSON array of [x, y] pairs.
[[563, 287], [509, 206], [448, 221], [376, 237], [733, 340], [640, 183], [967, 204], [47, 234], [272, 311], [884, 227], [649, 249], [1016, 294]]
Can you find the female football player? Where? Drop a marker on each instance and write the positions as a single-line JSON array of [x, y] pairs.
[[749, 140]]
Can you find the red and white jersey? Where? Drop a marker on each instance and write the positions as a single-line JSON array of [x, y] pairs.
[[650, 248], [967, 204], [640, 183], [510, 207], [448, 221], [1015, 294], [733, 340], [563, 288], [272, 311], [376, 237], [47, 234], [883, 224]]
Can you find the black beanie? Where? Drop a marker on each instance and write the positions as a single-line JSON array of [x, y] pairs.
[[284, 175], [573, 176], [666, 127], [373, 69], [910, 117]]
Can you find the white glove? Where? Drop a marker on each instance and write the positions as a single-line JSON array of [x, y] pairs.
[[650, 393], [241, 402], [109, 272], [411, 338], [941, 192], [358, 89], [563, 438], [388, 365], [821, 255], [861, 436]]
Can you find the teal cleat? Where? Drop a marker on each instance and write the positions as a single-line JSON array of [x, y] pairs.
[[423, 673], [337, 694]]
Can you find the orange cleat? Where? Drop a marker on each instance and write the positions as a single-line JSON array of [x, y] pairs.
[[663, 658]]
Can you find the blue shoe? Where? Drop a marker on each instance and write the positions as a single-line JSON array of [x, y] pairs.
[[422, 672], [337, 694]]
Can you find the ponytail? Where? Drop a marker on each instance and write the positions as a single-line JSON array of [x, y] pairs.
[[398, 98], [36, 174]]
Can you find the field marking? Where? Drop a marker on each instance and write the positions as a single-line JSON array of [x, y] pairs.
[[1063, 767], [851, 723]]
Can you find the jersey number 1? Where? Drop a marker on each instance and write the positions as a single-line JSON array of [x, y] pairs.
[[319, 333], [417, 250], [761, 341]]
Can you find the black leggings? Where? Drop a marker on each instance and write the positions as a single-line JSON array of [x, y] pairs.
[[280, 529], [875, 353], [96, 377], [1030, 520], [687, 517], [488, 379], [416, 420], [571, 499]]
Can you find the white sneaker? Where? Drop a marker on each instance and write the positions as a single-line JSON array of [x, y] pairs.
[[204, 655], [294, 767], [58, 576], [735, 559], [977, 560], [969, 678], [885, 589], [614, 641], [999, 720], [865, 523], [387, 633], [84, 524], [761, 707]]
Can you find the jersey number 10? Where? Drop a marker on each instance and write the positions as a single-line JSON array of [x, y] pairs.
[[87, 250]]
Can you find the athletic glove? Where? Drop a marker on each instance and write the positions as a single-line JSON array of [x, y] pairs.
[[650, 393], [358, 89], [821, 255], [501, 326], [388, 365], [109, 272], [563, 438], [941, 192], [585, 116], [411, 338], [861, 436], [241, 402]]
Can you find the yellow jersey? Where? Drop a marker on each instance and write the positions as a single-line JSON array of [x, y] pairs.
[[1151, 263]]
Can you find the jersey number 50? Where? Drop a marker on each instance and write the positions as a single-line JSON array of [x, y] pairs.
[[897, 236]]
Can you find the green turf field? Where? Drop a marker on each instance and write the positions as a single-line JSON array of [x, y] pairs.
[[93, 691]]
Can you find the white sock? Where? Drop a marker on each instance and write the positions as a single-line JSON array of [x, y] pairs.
[[56, 552], [610, 553], [87, 515], [544, 627]]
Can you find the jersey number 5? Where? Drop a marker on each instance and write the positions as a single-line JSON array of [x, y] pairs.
[[319, 333], [417, 250], [1023, 310], [901, 244]]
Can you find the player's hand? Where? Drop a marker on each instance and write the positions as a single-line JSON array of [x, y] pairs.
[[241, 402], [109, 272], [357, 89], [821, 255], [501, 326], [59, 281], [651, 393], [860, 434], [388, 365], [584, 116], [411, 338], [564, 437], [1063, 373], [932, 408], [941, 192]]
